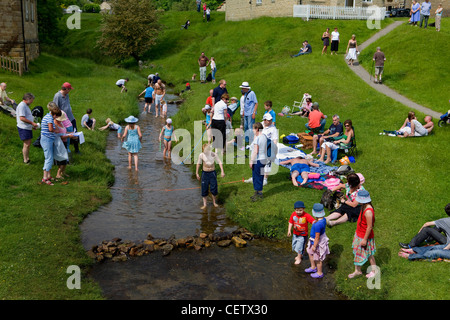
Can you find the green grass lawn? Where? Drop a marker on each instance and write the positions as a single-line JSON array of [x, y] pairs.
[[406, 177], [39, 223]]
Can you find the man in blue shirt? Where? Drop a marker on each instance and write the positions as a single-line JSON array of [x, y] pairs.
[[425, 12], [305, 50], [250, 107]]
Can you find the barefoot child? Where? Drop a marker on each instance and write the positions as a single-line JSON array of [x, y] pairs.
[[148, 97], [133, 144], [209, 174], [318, 243], [299, 222], [113, 126], [207, 110], [164, 109], [168, 131]]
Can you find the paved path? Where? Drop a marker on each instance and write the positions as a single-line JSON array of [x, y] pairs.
[[364, 75]]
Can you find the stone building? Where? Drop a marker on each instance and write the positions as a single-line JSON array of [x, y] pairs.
[[19, 30], [249, 9]]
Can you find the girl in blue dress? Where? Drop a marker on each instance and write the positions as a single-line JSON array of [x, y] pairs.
[[133, 144], [415, 12], [167, 132]]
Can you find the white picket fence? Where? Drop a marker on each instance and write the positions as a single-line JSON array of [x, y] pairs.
[[333, 13]]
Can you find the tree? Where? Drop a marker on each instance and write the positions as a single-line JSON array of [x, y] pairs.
[[131, 29], [49, 27]]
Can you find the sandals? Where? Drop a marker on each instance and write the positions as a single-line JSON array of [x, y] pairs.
[[47, 182]]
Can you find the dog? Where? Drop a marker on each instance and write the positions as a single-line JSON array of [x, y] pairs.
[[194, 76]]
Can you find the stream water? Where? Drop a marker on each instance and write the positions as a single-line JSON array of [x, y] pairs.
[[164, 199]]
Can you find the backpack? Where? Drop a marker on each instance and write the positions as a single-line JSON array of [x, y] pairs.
[[291, 139], [272, 148]]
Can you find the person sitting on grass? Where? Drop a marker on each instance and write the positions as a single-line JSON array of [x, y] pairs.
[[300, 167], [87, 122], [329, 146], [416, 129], [350, 208], [317, 119], [432, 231], [335, 130], [306, 49]]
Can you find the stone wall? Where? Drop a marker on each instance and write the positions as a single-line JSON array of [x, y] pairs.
[[12, 33]]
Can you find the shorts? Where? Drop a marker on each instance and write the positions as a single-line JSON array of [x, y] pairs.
[[120, 85], [148, 99], [158, 99], [298, 243], [379, 70], [209, 183], [352, 213], [300, 167], [25, 134]]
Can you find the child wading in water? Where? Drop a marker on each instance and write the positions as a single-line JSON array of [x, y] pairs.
[[363, 241], [318, 242], [167, 130], [209, 174], [299, 222], [133, 144]]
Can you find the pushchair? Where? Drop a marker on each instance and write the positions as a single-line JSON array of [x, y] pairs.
[[444, 119]]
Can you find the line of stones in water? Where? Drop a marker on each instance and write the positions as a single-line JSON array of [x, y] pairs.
[[117, 250]]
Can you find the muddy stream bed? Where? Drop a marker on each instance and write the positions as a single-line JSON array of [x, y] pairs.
[[164, 199]]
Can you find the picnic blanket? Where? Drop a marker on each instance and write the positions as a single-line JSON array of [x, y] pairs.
[[286, 153]]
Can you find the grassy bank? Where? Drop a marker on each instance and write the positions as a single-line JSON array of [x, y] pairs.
[[403, 176], [39, 223]]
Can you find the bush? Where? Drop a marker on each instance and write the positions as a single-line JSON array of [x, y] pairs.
[[91, 7]]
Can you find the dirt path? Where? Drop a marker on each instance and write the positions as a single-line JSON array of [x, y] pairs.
[[364, 75]]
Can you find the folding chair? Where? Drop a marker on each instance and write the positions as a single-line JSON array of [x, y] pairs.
[[299, 104]]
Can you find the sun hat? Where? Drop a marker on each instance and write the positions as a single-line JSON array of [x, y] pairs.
[[169, 120], [299, 204], [267, 116], [361, 178], [234, 98], [62, 117], [245, 85], [131, 119], [318, 211], [331, 183], [363, 196]]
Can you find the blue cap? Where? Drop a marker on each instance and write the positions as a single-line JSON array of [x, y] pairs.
[[363, 196], [299, 204]]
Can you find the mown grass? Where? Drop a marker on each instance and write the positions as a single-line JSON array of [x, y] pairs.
[[416, 63], [39, 223], [404, 176]]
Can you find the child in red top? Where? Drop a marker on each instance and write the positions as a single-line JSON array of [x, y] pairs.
[[363, 242], [299, 222]]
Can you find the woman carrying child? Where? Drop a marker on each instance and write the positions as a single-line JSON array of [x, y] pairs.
[[318, 243], [209, 175], [133, 144], [167, 130], [363, 241]]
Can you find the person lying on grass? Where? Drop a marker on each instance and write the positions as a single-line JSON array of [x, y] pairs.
[[300, 167]]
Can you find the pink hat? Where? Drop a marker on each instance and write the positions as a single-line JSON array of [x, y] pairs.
[[361, 178], [331, 183]]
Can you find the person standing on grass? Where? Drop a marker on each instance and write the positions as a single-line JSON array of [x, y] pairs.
[[438, 13], [250, 107], [25, 124], [379, 59], [335, 40], [62, 101], [425, 13], [326, 40], [203, 62], [258, 160], [213, 70], [218, 92], [363, 241], [415, 13]]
